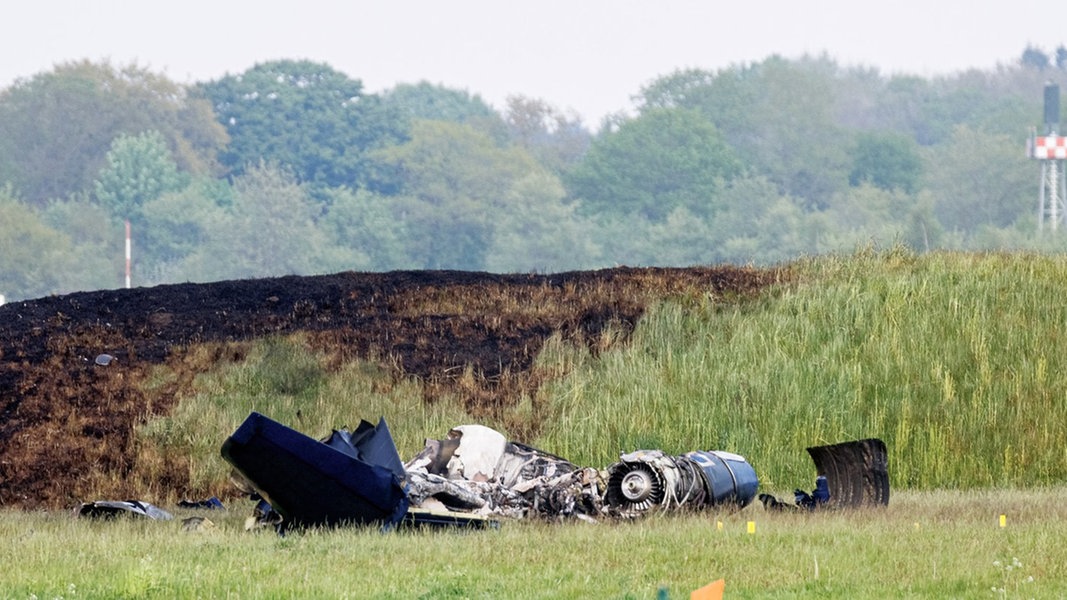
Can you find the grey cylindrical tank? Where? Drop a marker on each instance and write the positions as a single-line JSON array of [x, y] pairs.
[[729, 477]]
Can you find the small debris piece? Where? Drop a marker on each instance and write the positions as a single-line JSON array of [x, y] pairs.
[[211, 503], [109, 509], [198, 524], [105, 359]]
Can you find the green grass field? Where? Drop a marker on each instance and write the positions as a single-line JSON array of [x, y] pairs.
[[924, 545], [954, 360]]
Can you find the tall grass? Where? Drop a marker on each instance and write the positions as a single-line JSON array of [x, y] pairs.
[[953, 360]]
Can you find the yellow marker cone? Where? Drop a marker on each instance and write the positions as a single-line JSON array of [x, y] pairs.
[[752, 527], [718, 525], [1003, 520], [712, 591]]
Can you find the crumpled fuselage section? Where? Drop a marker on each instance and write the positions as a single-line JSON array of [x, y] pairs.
[[475, 468]]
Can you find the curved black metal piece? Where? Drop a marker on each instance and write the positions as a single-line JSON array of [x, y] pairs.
[[857, 472]]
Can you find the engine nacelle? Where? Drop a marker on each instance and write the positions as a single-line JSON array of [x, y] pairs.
[[649, 479]]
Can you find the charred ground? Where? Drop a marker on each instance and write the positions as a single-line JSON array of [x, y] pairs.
[[67, 424]]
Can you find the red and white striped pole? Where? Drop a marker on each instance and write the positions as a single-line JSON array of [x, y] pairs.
[[127, 253]]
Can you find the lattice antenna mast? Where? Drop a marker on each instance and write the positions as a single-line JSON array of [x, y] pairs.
[[1051, 150]]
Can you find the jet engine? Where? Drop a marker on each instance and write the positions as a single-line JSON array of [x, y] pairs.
[[650, 479]]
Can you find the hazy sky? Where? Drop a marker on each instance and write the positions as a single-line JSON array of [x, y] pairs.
[[589, 56]]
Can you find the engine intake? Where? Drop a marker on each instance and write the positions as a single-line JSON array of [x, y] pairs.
[[648, 479]]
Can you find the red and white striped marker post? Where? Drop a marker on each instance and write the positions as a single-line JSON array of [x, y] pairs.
[[127, 253]]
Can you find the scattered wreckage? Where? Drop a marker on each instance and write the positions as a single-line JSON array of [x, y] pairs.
[[471, 477], [110, 509], [475, 476]]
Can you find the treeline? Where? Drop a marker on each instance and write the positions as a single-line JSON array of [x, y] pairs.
[[292, 168]]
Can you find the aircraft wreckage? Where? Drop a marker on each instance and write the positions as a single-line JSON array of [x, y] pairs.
[[475, 476]]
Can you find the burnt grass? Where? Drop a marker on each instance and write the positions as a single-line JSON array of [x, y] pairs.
[[67, 424]]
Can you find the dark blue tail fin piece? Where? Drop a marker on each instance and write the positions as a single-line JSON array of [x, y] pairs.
[[309, 482]]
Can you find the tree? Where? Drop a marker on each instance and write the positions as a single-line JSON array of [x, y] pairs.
[[557, 140], [304, 116], [757, 224], [424, 100], [622, 239], [97, 242], [1034, 58], [364, 233], [886, 160], [664, 159], [56, 127], [457, 184], [268, 231], [139, 169], [685, 88], [34, 258], [537, 231], [866, 214], [176, 225], [991, 183], [903, 103], [778, 116]]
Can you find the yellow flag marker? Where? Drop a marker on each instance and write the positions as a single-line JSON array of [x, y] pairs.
[[752, 527], [712, 591], [1003, 520], [718, 525]]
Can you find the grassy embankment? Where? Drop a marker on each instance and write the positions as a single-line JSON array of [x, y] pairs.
[[953, 360]]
